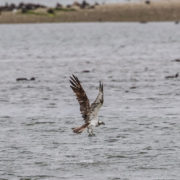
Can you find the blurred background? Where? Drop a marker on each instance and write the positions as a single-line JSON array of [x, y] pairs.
[[133, 48], [53, 2]]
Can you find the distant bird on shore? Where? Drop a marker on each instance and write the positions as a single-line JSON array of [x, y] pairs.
[[89, 112], [173, 76]]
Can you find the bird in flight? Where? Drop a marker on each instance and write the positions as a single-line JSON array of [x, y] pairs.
[[89, 112]]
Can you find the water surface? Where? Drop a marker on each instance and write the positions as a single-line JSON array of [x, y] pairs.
[[141, 109]]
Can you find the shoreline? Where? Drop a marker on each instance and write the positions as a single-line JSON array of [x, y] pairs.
[[116, 12]]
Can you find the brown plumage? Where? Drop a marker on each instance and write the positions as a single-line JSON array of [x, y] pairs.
[[81, 97], [80, 129]]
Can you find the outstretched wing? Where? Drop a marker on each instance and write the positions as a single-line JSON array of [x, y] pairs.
[[96, 105], [81, 97]]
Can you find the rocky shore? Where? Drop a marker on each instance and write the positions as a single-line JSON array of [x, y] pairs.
[[146, 11]]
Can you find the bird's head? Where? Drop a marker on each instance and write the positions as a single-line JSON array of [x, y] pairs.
[[101, 123]]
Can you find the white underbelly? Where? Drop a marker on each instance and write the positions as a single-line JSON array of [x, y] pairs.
[[94, 122]]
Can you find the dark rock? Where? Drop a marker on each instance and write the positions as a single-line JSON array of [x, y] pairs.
[[148, 2], [143, 22], [33, 79], [177, 60], [176, 22], [26, 79], [85, 71], [172, 76], [50, 11], [22, 79], [133, 87]]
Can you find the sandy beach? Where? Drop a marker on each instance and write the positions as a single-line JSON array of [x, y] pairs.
[[143, 12]]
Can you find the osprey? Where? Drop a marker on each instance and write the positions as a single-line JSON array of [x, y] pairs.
[[89, 112]]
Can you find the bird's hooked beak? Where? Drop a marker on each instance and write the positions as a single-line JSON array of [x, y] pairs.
[[102, 123]]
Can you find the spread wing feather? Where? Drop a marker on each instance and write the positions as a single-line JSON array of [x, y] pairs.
[[81, 97], [96, 105]]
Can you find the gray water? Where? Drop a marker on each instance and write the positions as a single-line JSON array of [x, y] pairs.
[[140, 140]]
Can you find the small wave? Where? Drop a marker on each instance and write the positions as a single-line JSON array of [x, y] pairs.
[[116, 157], [5, 117], [37, 123], [112, 140]]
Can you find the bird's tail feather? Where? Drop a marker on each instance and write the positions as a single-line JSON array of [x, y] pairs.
[[80, 129]]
